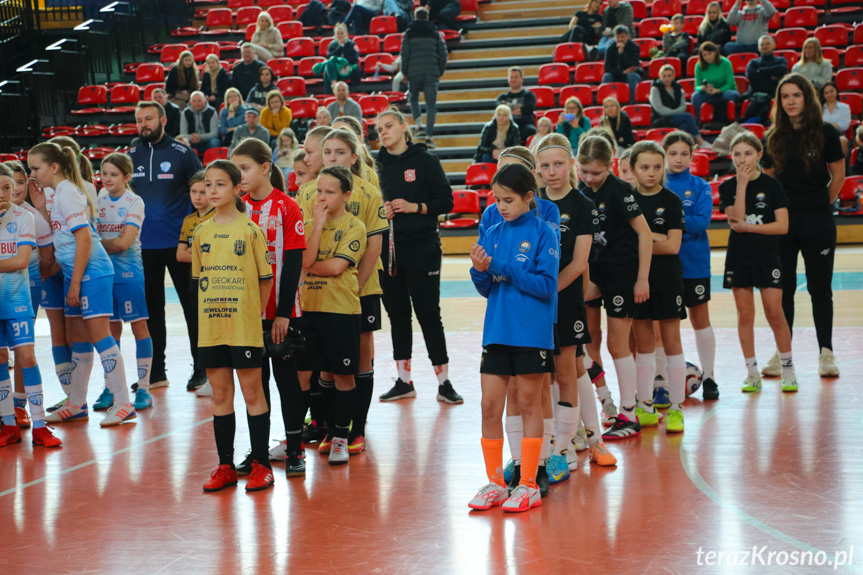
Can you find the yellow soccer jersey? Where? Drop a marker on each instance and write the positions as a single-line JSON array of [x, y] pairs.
[[371, 176], [229, 261], [344, 238], [192, 221]]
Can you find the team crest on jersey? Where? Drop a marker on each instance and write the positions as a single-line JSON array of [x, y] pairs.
[[205, 248], [660, 211], [121, 212], [338, 235], [269, 257], [687, 194], [382, 213], [760, 196], [240, 247], [300, 228], [410, 175], [165, 166], [12, 227], [601, 207], [564, 218], [204, 283], [524, 246], [354, 246]]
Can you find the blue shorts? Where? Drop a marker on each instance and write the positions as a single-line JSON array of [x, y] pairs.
[[130, 305], [96, 298], [52, 292], [16, 332]]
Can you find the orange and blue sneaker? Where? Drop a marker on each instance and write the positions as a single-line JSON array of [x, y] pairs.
[[489, 496], [223, 476], [356, 445], [68, 413], [43, 436], [523, 498], [117, 414], [260, 478]]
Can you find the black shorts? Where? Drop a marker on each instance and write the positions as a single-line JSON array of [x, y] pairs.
[[662, 305], [510, 361], [616, 283], [696, 291], [572, 324], [230, 356], [332, 343], [595, 302], [752, 277], [371, 313], [579, 349]]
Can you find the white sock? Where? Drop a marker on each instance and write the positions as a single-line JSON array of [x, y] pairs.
[[705, 342], [144, 357], [404, 368], [587, 407], [7, 406], [676, 379], [588, 361], [661, 364], [547, 432], [115, 370], [564, 427], [82, 366], [645, 370], [751, 366], [555, 396], [442, 373], [626, 378], [603, 393], [514, 434], [787, 364]]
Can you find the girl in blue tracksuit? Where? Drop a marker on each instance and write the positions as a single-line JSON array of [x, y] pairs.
[[694, 255], [515, 267]]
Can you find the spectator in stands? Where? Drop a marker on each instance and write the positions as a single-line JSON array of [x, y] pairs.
[[675, 42], [443, 12], [572, 122], [714, 28], [343, 47], [257, 97], [616, 14], [544, 127], [251, 129], [668, 103], [618, 122], [283, 151], [586, 25], [267, 39], [522, 102], [163, 169], [424, 57], [172, 112], [714, 79], [403, 10], [623, 61], [244, 75], [216, 81], [813, 64], [501, 132], [751, 25], [200, 123], [395, 69], [276, 116], [835, 112], [323, 117], [763, 74], [182, 79], [344, 105], [361, 15], [857, 153], [232, 116]]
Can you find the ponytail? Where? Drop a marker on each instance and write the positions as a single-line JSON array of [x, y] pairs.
[[83, 162], [67, 159], [261, 154]]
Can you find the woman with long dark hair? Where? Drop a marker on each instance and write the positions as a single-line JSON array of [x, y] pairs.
[[804, 153]]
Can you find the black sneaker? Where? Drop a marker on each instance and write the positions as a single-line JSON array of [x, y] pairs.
[[295, 464], [400, 390], [516, 477], [245, 468], [595, 371], [542, 480], [447, 394], [313, 433], [197, 381], [622, 429], [710, 391]]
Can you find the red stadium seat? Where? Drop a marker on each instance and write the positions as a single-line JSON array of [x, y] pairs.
[[854, 101], [554, 74], [373, 105], [219, 18], [569, 52], [281, 13], [690, 66], [649, 27], [468, 6], [480, 174], [791, 38], [247, 15], [544, 96], [304, 107], [201, 50], [96, 95], [250, 31], [618, 90], [850, 80], [124, 94], [324, 44], [665, 8], [594, 114], [291, 29], [589, 73], [804, 17], [645, 45], [553, 114], [304, 67], [300, 47], [852, 189], [392, 43], [810, 2], [832, 54], [697, 7], [639, 115], [739, 61], [642, 91], [268, 4], [658, 134], [383, 25], [583, 93], [371, 61], [858, 34], [292, 86], [171, 52], [97, 153], [146, 73], [707, 112], [639, 9], [691, 24], [742, 84], [236, 4], [756, 129], [655, 65], [367, 44], [700, 165], [834, 35], [150, 88], [465, 203], [213, 154], [688, 85], [282, 66]]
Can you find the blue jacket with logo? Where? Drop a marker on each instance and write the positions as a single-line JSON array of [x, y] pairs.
[[161, 177], [698, 208], [520, 284]]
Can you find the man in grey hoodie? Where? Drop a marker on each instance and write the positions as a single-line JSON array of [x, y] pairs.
[[751, 25]]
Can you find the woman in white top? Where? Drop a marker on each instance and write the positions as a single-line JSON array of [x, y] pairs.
[[835, 112], [813, 64], [267, 40]]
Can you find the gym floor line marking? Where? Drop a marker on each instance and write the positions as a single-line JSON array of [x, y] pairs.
[[108, 456], [692, 472]]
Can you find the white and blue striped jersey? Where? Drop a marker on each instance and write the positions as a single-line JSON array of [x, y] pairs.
[[114, 215], [16, 230], [70, 212], [43, 239]]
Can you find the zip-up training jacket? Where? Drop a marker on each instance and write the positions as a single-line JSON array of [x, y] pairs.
[[698, 208]]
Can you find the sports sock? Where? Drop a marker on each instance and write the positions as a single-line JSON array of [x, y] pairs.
[[442, 373], [492, 454], [33, 387], [645, 370], [344, 406], [259, 437], [787, 364], [554, 391], [751, 366], [7, 407], [328, 404], [661, 364], [404, 368], [547, 432], [63, 366], [316, 400], [293, 401], [626, 377], [363, 401], [514, 433], [588, 361], [587, 406], [115, 369], [82, 366], [565, 426], [224, 428], [144, 355], [603, 393], [531, 449], [19, 400], [676, 379], [705, 342]]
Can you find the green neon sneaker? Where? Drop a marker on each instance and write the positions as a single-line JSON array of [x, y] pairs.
[[752, 384], [789, 384], [674, 421], [647, 419]]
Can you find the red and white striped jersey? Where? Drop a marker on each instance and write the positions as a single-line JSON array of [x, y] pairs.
[[282, 221]]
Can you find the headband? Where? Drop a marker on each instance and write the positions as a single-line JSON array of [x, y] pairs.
[[568, 150], [525, 160]]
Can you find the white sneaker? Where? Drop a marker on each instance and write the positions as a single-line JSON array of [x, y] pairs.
[[609, 412], [571, 458], [117, 414], [158, 384], [339, 454], [279, 452], [579, 440], [489, 496], [68, 413], [827, 364], [523, 498], [205, 390], [773, 367]]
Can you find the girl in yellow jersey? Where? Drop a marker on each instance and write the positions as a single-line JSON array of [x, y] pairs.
[[335, 244], [231, 265]]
